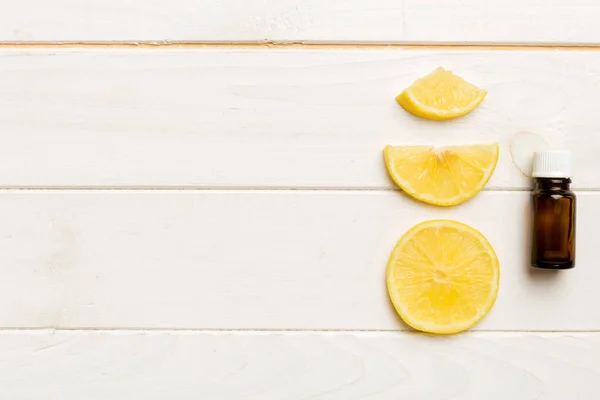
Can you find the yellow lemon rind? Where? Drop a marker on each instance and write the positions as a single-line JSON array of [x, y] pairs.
[[432, 328], [415, 107]]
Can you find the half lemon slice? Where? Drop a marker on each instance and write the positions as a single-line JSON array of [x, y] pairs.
[[444, 176]]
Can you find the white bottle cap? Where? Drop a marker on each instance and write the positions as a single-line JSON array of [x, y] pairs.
[[552, 164]]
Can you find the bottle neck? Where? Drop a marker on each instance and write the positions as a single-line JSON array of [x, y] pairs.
[[553, 184]]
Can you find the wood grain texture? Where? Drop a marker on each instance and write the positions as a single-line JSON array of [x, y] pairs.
[[298, 366], [272, 118], [354, 21], [259, 260]]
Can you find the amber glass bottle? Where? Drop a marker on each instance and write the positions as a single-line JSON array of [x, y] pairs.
[[553, 226]]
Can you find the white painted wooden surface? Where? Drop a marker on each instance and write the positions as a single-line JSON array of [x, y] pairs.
[[296, 366], [259, 260], [259, 274], [251, 118], [357, 21]]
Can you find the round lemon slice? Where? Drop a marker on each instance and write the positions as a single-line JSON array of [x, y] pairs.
[[443, 277], [441, 95]]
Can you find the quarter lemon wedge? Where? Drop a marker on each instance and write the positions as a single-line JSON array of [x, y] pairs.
[[443, 176], [443, 277], [441, 95]]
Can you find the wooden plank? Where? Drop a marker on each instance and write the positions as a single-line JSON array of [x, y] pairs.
[[271, 118], [346, 21], [259, 260], [295, 366]]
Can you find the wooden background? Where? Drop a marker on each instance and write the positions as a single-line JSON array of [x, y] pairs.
[[194, 203]]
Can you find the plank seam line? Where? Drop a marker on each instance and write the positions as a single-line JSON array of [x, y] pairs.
[[236, 189], [158, 45], [271, 331]]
